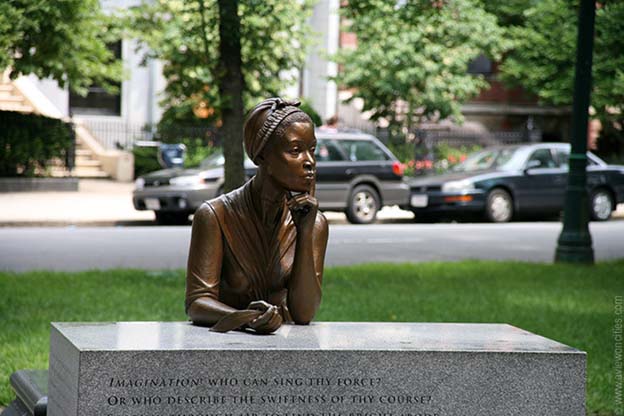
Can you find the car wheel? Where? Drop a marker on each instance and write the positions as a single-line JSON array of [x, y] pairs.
[[499, 206], [601, 205], [172, 218], [363, 205]]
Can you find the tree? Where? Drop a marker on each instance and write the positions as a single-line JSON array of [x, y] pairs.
[[221, 57], [231, 85], [543, 55], [412, 57], [65, 40]]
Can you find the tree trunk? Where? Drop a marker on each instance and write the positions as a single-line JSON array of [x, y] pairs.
[[231, 86]]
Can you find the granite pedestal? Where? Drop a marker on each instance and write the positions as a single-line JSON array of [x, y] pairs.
[[324, 369]]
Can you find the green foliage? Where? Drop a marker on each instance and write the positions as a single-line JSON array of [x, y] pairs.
[[570, 304], [28, 142], [65, 40], [196, 151], [273, 38], [510, 12], [309, 110], [445, 156], [412, 57], [404, 151], [543, 57], [145, 160]]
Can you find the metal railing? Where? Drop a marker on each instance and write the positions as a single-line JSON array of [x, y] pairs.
[[123, 135], [423, 147]]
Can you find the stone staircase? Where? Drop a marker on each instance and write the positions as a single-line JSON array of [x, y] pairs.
[[12, 100], [87, 165]]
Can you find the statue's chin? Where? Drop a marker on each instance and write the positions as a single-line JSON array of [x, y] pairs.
[[302, 186], [299, 189]]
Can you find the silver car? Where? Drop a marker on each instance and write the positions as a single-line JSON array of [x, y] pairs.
[[356, 174]]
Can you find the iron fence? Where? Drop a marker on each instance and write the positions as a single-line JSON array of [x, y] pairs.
[[425, 141], [122, 135], [424, 150]]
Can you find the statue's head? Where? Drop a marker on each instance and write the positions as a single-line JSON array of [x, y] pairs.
[[279, 137]]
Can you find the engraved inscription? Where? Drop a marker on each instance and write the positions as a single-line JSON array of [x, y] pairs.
[[261, 396]]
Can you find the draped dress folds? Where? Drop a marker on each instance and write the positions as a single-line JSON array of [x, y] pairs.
[[256, 264]]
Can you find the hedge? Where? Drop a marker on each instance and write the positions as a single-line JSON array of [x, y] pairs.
[[29, 141]]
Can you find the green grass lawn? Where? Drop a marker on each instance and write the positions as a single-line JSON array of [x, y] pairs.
[[570, 304]]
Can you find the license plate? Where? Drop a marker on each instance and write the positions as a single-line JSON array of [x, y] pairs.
[[152, 203], [419, 201]]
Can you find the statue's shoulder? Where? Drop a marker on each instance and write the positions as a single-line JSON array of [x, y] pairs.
[[320, 224], [221, 207], [209, 214], [215, 205]]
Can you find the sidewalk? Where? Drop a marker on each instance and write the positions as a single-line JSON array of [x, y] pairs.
[[109, 203], [97, 202], [101, 203]]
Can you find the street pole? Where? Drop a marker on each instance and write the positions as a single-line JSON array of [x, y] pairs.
[[575, 242]]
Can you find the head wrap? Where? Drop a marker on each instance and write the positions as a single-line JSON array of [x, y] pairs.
[[263, 120]]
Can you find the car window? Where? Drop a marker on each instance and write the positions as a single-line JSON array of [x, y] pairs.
[[217, 159], [362, 150], [544, 157], [327, 151], [562, 157], [486, 159], [214, 160]]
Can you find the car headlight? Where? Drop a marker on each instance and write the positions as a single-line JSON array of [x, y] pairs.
[[186, 180], [139, 183], [464, 185]]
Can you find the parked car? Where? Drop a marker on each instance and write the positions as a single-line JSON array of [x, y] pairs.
[[501, 182], [355, 174]]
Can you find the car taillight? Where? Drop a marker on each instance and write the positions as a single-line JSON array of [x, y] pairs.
[[398, 168]]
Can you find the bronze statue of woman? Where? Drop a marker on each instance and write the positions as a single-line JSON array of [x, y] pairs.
[[257, 253]]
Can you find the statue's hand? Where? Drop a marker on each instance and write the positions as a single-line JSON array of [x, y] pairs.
[[269, 321], [303, 208]]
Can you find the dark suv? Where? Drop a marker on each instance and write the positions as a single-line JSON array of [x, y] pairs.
[[355, 174]]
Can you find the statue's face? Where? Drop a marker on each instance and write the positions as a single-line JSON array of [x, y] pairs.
[[290, 160]]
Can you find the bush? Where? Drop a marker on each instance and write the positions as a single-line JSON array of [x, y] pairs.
[[145, 160], [196, 151], [611, 142], [309, 110], [29, 141], [443, 156], [448, 156]]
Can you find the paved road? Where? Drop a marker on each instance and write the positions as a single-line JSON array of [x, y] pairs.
[[166, 247]]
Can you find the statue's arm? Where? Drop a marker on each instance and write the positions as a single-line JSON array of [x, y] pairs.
[[304, 287], [204, 270]]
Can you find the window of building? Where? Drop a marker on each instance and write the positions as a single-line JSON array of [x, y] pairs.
[[480, 65], [98, 101]]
